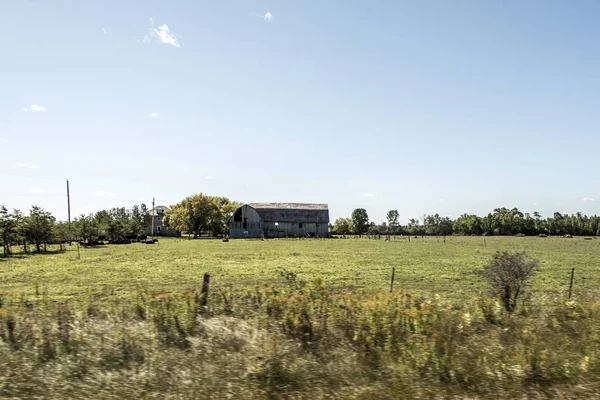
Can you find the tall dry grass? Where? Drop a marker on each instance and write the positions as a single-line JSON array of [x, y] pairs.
[[299, 340]]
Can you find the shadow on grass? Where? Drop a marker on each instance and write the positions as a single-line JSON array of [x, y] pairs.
[[21, 255]]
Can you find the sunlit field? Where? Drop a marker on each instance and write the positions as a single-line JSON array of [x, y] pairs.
[[298, 319], [424, 265]]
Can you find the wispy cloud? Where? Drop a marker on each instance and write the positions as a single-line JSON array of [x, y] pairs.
[[104, 31], [154, 115], [25, 165], [535, 203], [589, 199], [208, 177], [34, 108], [102, 193], [369, 194], [161, 35], [267, 16], [2, 140]]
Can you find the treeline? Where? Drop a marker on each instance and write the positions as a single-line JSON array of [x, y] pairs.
[[195, 214], [502, 221], [40, 228]]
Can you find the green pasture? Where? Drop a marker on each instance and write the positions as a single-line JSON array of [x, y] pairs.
[[424, 265]]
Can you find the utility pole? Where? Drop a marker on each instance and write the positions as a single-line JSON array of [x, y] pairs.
[[152, 216], [69, 210]]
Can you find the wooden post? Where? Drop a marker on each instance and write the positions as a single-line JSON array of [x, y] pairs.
[[484, 243], [69, 212], [393, 276], [204, 292], [78, 254], [571, 283]]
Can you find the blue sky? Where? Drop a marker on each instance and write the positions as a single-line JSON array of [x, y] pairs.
[[424, 107]]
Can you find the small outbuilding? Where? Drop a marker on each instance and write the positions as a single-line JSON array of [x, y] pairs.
[[273, 220]]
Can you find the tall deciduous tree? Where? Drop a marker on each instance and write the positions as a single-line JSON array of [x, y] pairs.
[[39, 226], [199, 213], [392, 220], [360, 221]]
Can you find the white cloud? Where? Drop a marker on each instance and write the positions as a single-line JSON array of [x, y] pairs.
[[535, 203], [589, 199], [154, 115], [2, 140], [267, 16], [208, 177], [37, 191], [102, 193], [25, 165], [104, 31], [34, 108], [369, 194], [161, 35]]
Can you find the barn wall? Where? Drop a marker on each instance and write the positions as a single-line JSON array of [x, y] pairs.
[[284, 229], [251, 224]]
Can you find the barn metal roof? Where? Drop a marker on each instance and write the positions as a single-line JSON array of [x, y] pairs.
[[290, 206], [292, 212]]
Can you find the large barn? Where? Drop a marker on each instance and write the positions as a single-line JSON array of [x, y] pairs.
[[279, 220]]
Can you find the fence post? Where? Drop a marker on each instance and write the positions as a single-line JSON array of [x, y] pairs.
[[393, 276], [204, 292], [571, 283], [78, 254]]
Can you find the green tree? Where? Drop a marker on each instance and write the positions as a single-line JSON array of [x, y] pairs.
[[226, 208], [342, 226], [61, 232], [360, 221], [136, 224], [39, 225], [199, 213], [9, 228], [392, 220], [87, 228]]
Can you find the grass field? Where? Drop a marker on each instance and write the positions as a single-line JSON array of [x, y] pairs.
[[297, 319], [424, 265]]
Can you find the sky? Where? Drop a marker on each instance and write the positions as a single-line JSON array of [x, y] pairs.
[[426, 107]]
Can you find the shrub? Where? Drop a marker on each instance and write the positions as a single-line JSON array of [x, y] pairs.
[[507, 275]]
